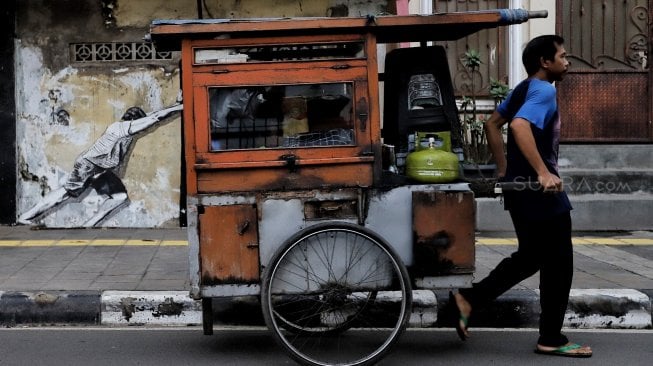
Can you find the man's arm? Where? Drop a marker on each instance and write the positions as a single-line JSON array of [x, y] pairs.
[[141, 124], [495, 141], [521, 130]]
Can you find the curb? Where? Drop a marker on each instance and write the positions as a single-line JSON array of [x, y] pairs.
[[150, 308], [51, 307], [617, 308], [588, 309]]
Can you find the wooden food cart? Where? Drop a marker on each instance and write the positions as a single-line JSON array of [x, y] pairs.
[[289, 198]]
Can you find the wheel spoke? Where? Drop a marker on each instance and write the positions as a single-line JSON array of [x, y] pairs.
[[330, 278]]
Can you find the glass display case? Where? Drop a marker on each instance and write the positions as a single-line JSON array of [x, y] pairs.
[[281, 116], [282, 113]]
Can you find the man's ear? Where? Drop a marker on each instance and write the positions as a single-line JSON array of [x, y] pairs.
[[544, 64]]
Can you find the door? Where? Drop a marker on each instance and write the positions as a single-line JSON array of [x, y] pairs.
[[606, 97], [229, 245]]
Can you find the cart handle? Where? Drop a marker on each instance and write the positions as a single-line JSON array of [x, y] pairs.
[[516, 16], [501, 187], [538, 14]]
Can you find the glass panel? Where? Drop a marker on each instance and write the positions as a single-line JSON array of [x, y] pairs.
[[266, 53], [281, 116]]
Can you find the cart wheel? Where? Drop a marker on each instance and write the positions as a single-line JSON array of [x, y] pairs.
[[300, 314], [330, 278]]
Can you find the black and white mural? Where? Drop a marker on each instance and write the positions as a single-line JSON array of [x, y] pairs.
[[100, 167]]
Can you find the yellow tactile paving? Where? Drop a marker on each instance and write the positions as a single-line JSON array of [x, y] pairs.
[[91, 242], [151, 242], [107, 242], [574, 240], [9, 243], [496, 241], [638, 241], [76, 242], [174, 242], [146, 242], [37, 243], [579, 241], [604, 241]]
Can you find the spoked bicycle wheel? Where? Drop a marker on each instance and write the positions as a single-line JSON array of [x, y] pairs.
[[336, 294]]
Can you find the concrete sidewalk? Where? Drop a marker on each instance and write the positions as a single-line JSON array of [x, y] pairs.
[[140, 277]]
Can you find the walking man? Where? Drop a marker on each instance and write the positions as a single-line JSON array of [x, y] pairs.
[[96, 167], [541, 218]]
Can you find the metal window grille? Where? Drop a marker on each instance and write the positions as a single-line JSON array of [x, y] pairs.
[[491, 43], [116, 52], [611, 36], [249, 134]]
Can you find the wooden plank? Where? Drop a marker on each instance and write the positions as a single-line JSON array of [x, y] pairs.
[[188, 119], [229, 245], [387, 29], [275, 179]]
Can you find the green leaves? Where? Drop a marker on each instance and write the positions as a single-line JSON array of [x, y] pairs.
[[472, 59], [498, 90], [475, 147]]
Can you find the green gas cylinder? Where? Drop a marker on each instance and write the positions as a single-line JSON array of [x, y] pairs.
[[432, 164]]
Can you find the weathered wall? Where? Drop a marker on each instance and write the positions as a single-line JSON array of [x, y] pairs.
[[93, 95], [64, 105]]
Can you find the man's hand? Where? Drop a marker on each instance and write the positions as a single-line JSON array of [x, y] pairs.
[[550, 182], [521, 130]]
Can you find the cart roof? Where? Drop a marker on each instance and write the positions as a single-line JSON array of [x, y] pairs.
[[167, 34]]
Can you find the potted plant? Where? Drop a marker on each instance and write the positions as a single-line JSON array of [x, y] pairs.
[[478, 165]]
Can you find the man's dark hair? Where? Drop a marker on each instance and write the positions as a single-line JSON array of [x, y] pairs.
[[544, 47], [133, 113]]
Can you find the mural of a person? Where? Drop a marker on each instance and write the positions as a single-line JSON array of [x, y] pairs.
[[97, 167]]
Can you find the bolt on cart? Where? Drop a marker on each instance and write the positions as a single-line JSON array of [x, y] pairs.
[[295, 191]]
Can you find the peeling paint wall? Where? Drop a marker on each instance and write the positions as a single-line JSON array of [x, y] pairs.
[[63, 105]]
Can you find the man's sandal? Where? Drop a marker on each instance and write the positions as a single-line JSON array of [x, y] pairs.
[[462, 321], [565, 351]]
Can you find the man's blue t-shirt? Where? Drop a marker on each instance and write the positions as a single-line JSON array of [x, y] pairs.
[[535, 101]]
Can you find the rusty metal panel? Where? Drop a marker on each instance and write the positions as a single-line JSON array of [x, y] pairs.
[[609, 107], [280, 178], [229, 245], [443, 233], [606, 96]]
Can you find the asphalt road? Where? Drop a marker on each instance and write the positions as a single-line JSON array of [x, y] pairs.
[[188, 346]]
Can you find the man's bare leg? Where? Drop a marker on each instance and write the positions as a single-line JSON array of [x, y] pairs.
[[110, 204], [51, 200]]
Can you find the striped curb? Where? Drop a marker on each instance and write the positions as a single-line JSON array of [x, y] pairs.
[[589, 309], [150, 308], [614, 309], [51, 307]]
